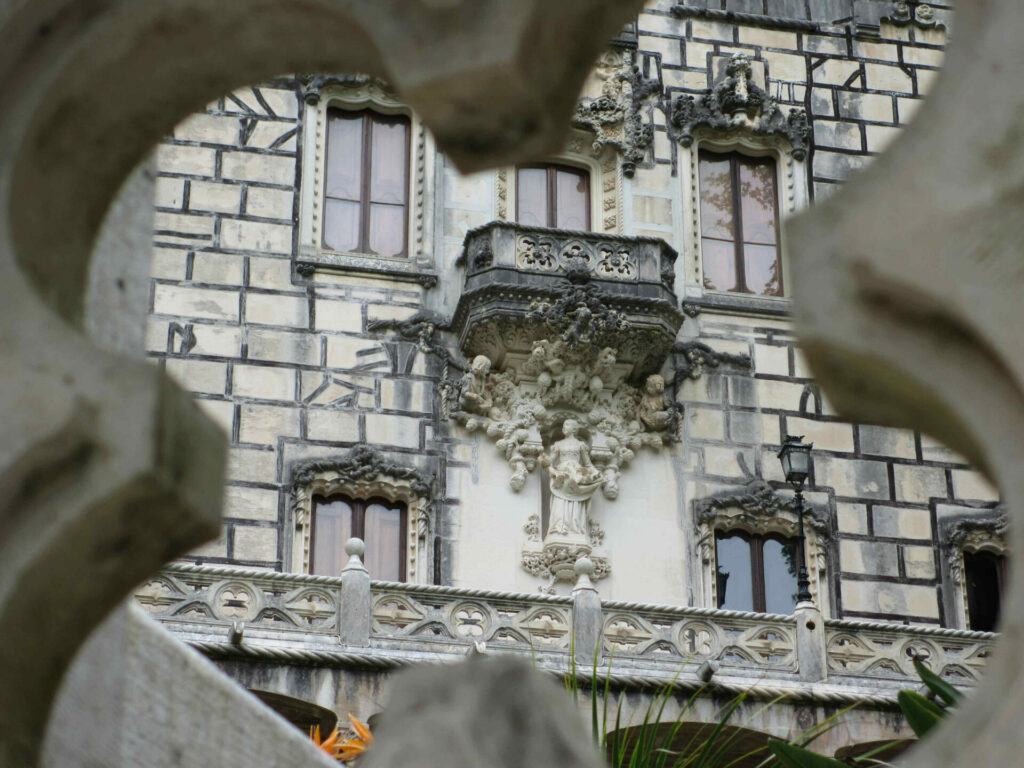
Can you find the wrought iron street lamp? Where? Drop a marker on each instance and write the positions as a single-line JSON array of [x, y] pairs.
[[796, 466]]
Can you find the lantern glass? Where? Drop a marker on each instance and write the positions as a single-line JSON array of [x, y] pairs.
[[795, 457]]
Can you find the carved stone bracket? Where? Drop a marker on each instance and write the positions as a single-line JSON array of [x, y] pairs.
[[362, 473], [869, 16], [737, 103], [757, 508], [691, 358], [550, 559], [616, 116]]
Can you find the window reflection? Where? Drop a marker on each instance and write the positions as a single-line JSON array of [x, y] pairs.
[[756, 573], [739, 223]]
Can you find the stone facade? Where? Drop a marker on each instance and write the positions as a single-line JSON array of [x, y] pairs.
[[301, 355]]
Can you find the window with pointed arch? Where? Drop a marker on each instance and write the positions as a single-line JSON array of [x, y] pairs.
[[380, 523], [739, 223], [550, 195]]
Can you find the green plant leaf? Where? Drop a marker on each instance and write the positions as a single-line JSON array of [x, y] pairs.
[[922, 715], [937, 685], [792, 756]]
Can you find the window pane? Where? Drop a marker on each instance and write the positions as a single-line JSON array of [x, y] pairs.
[[572, 196], [735, 588], [757, 201], [387, 229], [779, 576], [716, 214], [344, 155], [761, 269], [532, 196], [332, 527], [982, 584], [388, 175], [341, 225], [383, 542], [719, 262]]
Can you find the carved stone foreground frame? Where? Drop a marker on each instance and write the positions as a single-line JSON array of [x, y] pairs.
[[756, 508], [967, 534], [364, 473]]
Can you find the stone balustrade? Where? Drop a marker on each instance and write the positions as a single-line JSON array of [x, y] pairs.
[[294, 618]]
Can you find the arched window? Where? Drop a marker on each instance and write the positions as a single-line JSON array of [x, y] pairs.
[[378, 522], [553, 196], [366, 183], [756, 572], [739, 223]]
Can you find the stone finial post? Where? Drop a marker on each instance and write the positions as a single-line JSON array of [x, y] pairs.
[[810, 642], [355, 596], [587, 617]]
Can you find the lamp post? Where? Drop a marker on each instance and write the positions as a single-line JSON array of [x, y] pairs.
[[796, 466]]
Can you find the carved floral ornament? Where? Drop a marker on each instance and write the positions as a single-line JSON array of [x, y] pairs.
[[616, 116], [565, 404], [737, 103], [362, 473], [759, 509]]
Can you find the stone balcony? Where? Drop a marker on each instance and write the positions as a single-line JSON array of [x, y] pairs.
[[511, 270], [300, 620]]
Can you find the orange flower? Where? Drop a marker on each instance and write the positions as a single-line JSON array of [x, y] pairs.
[[328, 745], [354, 747]]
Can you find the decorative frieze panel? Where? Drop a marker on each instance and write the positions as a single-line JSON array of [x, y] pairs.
[[450, 615], [550, 253], [363, 473], [184, 593], [733, 638], [877, 650]]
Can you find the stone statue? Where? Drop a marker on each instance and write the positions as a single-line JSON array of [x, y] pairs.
[[574, 479], [602, 371], [475, 398], [655, 413]]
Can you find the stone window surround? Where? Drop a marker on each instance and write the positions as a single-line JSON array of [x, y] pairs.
[[791, 181], [329, 482], [605, 182], [733, 516], [366, 93], [971, 534]]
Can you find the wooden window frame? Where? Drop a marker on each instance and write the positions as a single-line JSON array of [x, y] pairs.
[[734, 159], [756, 543], [367, 118], [359, 524], [552, 189]]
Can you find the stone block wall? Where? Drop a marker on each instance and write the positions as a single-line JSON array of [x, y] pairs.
[[284, 360]]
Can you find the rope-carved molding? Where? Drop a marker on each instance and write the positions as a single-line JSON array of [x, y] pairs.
[[737, 103]]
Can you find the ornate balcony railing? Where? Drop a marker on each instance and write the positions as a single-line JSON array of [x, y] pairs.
[[298, 619], [513, 269]]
